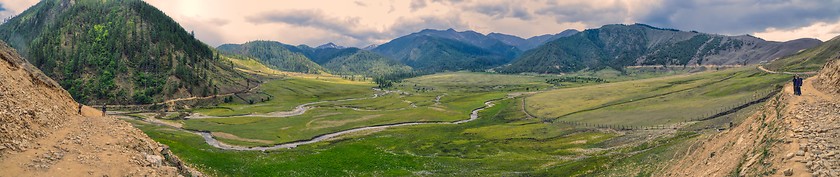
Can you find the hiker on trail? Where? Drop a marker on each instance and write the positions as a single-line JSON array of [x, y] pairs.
[[80, 108], [797, 85], [800, 85], [104, 108]]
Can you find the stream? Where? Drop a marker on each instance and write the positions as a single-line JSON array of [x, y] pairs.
[[301, 109], [216, 143]]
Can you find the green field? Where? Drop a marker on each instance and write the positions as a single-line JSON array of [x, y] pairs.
[[502, 142], [327, 120], [416, 150], [655, 101], [290, 92]]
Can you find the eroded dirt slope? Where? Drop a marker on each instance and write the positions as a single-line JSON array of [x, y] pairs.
[[828, 80], [43, 134], [790, 136]]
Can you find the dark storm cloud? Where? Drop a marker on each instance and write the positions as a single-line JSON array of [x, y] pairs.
[[741, 16]]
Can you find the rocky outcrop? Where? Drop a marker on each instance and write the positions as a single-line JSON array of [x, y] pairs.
[[828, 80]]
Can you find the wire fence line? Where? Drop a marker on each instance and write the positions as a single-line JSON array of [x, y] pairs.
[[758, 97]]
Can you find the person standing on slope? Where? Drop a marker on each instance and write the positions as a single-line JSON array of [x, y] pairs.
[[797, 85], [800, 84]]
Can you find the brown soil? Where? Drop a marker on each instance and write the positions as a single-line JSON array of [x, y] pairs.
[[828, 80], [43, 133], [791, 135]]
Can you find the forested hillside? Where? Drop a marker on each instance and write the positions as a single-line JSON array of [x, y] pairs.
[[448, 50], [274, 54], [120, 51], [357, 61], [326, 58], [617, 46]]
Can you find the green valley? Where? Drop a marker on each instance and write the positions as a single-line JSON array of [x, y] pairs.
[[419, 88]]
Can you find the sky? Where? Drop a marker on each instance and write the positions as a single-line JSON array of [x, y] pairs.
[[359, 23]]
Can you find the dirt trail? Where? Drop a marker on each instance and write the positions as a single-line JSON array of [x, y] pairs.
[[173, 101], [790, 136], [812, 144], [791, 73], [43, 133]]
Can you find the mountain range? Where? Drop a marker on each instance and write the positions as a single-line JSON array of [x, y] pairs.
[[617, 46], [325, 58], [448, 50], [530, 43]]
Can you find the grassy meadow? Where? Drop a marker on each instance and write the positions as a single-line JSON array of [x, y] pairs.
[[478, 148], [287, 93], [504, 141], [656, 101]]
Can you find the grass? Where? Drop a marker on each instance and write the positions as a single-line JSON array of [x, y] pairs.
[[502, 142], [655, 101], [811, 59], [327, 120], [417, 150], [291, 92]]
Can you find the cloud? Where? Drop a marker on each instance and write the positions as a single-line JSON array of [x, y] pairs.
[[10, 8], [503, 10], [206, 30], [820, 30], [360, 3], [347, 26], [218, 21], [741, 16], [414, 24], [595, 14], [417, 4]]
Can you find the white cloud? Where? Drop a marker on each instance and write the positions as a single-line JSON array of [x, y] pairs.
[[820, 30], [14, 7]]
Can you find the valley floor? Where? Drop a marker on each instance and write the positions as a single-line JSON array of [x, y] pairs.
[[515, 136]]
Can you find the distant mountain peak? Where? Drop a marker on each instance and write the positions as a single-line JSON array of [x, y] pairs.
[[330, 46], [568, 32], [370, 47]]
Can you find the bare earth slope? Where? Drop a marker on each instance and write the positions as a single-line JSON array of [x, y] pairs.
[[828, 80], [790, 136], [42, 134]]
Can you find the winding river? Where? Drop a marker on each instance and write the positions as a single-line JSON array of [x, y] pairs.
[[301, 109], [216, 143]]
